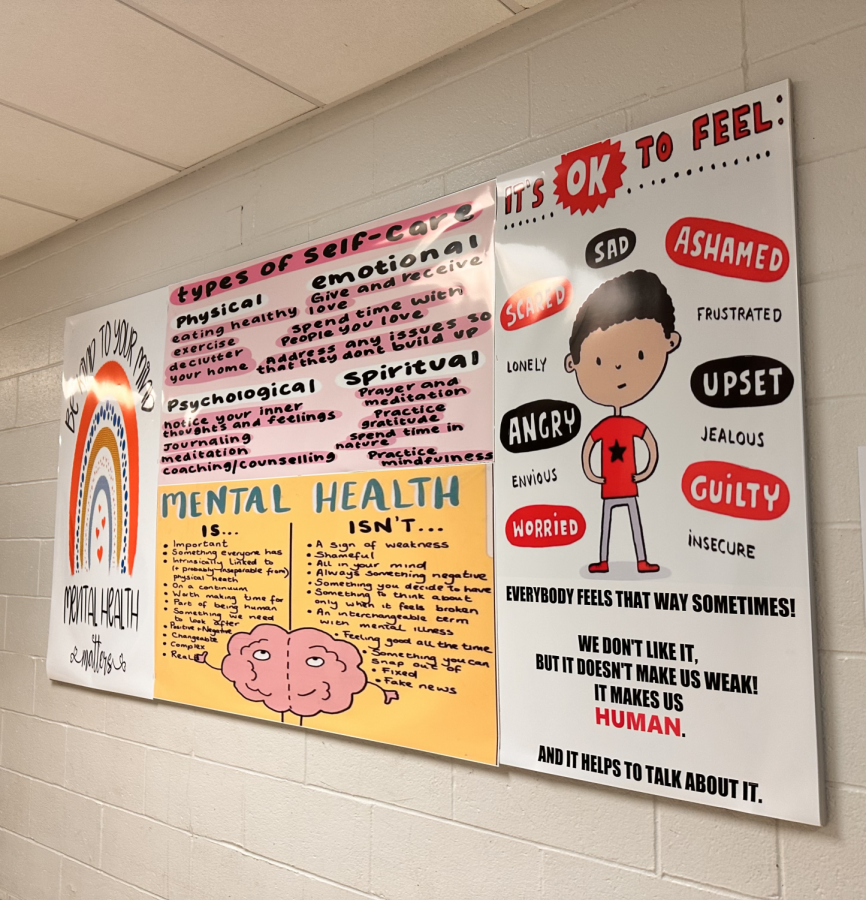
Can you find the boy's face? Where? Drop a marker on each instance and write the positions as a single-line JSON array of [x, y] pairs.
[[622, 364]]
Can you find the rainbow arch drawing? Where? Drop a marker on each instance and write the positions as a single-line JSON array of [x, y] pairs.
[[103, 490]]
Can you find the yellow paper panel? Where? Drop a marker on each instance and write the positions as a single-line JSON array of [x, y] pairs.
[[360, 604]]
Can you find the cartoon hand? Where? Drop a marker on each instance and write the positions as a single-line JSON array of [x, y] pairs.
[[390, 695], [201, 657]]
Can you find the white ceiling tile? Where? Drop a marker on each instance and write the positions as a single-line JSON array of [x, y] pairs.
[[110, 71], [329, 49], [48, 166], [21, 225]]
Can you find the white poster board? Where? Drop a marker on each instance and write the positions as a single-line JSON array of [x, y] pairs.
[[653, 587], [102, 615]]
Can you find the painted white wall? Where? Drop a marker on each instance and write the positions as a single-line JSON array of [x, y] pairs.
[[112, 797]]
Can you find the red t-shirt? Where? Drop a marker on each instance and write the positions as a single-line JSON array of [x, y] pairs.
[[617, 434]]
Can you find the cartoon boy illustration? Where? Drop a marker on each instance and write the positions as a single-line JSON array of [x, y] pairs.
[[619, 345]]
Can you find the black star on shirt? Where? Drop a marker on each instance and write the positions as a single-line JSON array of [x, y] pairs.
[[617, 453]]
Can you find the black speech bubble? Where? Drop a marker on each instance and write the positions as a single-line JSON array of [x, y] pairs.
[[539, 425], [600, 252], [731, 383]]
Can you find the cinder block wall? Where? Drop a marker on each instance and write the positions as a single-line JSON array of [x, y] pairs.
[[112, 797]]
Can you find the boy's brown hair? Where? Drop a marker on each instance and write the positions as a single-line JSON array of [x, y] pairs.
[[635, 295]]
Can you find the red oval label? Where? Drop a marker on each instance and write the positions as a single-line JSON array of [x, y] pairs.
[[732, 490], [535, 301], [724, 248], [544, 525]]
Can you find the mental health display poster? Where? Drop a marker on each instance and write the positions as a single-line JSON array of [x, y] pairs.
[[102, 615], [357, 604], [654, 611], [371, 348]]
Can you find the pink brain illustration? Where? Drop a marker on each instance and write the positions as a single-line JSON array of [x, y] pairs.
[[304, 671]]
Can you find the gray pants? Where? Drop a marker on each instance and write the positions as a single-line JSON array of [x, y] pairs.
[[636, 528]]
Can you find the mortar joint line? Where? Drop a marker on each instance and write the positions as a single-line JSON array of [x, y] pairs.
[[65, 856], [537, 845], [778, 846], [657, 833], [245, 851]]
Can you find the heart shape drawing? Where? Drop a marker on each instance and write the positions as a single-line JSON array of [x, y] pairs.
[[97, 532], [99, 507], [103, 521], [99, 553]]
